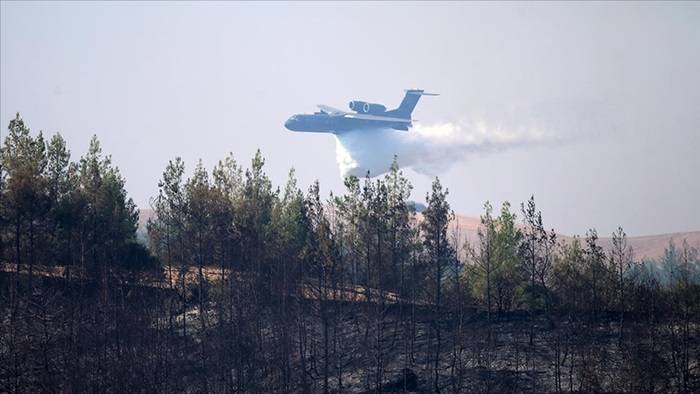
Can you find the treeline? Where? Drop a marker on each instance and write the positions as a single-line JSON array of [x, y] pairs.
[[59, 219], [251, 288], [61, 212]]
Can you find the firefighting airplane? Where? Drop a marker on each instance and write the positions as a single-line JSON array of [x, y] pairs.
[[365, 116]]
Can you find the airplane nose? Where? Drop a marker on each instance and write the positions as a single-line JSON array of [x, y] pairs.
[[289, 124]]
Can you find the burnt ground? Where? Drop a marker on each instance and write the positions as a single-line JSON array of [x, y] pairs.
[[58, 337]]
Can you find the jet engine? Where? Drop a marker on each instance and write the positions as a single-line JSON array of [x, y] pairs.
[[367, 108]]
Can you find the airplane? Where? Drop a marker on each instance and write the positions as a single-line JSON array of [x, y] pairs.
[[365, 116]]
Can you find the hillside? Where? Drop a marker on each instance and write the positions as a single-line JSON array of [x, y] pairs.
[[645, 247]]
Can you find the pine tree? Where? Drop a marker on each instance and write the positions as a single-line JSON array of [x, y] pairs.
[[60, 187], [507, 278], [198, 227], [620, 263], [25, 198], [288, 221], [486, 256], [321, 255], [400, 215], [596, 274], [533, 234], [110, 217], [436, 219]]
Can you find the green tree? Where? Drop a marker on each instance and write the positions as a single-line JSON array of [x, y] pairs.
[[507, 278], [485, 257], [110, 216], [289, 219], [399, 215], [569, 278], [199, 229], [25, 196], [436, 219], [59, 174], [321, 255], [257, 203]]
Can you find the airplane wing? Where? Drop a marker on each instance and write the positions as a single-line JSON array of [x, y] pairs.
[[331, 111], [375, 117]]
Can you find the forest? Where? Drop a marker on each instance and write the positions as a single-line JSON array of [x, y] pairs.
[[245, 286]]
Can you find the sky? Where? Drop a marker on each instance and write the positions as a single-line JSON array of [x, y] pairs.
[[612, 89]]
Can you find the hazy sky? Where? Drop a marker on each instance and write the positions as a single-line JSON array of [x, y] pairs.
[[617, 85]]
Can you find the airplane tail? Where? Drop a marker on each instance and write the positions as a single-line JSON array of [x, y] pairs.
[[409, 103]]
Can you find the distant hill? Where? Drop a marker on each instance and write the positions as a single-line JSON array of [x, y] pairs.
[[144, 215], [141, 232], [645, 247]]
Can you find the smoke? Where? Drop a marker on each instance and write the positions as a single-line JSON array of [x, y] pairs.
[[431, 149], [427, 149]]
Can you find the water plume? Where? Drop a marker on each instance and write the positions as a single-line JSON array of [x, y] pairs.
[[427, 149]]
